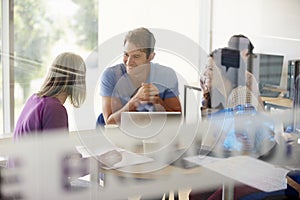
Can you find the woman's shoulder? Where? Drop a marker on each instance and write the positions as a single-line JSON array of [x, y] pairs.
[[50, 103]]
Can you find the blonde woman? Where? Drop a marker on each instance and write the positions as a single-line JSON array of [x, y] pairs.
[[44, 110]]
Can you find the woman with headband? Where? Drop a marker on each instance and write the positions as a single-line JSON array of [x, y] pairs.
[[44, 111]]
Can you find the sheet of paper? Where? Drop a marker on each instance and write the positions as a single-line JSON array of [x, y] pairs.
[[202, 160], [252, 172], [86, 152], [128, 158]]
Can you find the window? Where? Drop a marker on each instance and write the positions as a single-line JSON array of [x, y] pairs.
[[41, 30], [1, 88]]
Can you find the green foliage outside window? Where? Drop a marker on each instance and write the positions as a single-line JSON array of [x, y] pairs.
[[37, 31]]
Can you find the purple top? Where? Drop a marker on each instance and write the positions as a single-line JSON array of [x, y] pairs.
[[40, 114]]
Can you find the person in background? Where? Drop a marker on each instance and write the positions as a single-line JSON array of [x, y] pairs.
[[44, 110], [137, 84], [245, 47], [209, 81]]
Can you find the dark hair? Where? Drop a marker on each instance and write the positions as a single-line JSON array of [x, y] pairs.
[[141, 38], [240, 42]]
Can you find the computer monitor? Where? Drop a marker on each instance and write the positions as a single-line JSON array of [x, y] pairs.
[[270, 70]]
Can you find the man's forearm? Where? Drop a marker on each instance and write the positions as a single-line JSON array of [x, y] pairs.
[[163, 106], [115, 117]]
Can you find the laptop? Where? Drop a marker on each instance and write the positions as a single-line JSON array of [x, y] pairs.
[[146, 125]]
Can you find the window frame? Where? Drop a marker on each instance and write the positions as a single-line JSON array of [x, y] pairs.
[[7, 57]]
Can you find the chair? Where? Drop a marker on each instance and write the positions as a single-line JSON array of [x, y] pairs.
[[100, 120], [294, 125], [296, 104]]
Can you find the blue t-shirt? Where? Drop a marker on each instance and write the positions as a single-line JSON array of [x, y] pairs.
[[115, 82]]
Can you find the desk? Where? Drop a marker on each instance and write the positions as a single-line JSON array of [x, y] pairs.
[[154, 184], [155, 178], [152, 179], [32, 171], [277, 103]]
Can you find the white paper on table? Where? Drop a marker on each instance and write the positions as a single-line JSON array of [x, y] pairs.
[[86, 152], [128, 158], [202, 160], [252, 172]]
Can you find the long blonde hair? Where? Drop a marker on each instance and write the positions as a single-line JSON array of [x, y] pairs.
[[66, 75]]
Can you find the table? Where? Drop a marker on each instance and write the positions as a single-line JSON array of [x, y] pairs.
[[123, 183], [169, 180], [161, 178], [277, 103], [143, 179]]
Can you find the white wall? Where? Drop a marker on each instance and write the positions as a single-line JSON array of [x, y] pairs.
[[272, 26], [118, 16], [181, 17], [176, 24]]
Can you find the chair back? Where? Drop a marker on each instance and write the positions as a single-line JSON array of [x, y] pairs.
[[296, 105]]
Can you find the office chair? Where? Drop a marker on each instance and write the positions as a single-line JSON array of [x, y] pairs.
[[296, 104], [100, 120]]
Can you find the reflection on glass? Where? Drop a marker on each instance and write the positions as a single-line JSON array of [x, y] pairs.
[[42, 30]]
